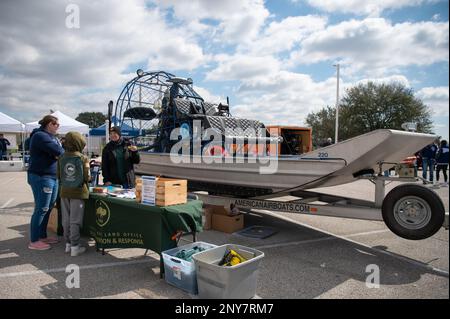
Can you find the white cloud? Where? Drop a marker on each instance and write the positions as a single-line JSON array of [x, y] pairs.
[[283, 98], [375, 46], [208, 96], [401, 79], [176, 55], [242, 67], [284, 35], [236, 21], [44, 63], [436, 17], [364, 7], [287, 97], [29, 99], [437, 98]]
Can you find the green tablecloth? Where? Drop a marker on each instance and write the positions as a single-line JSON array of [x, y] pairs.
[[124, 223]]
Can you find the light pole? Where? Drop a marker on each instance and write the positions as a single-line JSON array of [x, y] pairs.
[[337, 104]]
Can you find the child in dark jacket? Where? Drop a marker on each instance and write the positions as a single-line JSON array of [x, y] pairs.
[[73, 173], [442, 158]]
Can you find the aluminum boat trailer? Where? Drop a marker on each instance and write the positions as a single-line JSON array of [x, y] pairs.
[[409, 210]]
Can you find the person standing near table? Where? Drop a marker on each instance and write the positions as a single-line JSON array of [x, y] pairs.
[[44, 152], [73, 175], [442, 159], [428, 154], [118, 158], [3, 146]]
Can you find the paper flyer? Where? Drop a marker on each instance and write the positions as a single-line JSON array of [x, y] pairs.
[[149, 190]]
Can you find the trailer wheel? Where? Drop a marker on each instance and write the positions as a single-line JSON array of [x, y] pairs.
[[413, 211]]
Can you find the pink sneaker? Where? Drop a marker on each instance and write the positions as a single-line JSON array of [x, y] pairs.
[[49, 240], [39, 245]]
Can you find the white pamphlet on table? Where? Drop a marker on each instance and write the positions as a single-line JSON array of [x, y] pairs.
[[149, 190]]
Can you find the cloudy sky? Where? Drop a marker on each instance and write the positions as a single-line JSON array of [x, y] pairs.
[[274, 59]]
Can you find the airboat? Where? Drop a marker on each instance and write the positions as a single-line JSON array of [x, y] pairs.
[[236, 160]]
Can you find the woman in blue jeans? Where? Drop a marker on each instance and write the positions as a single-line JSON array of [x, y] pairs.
[[44, 152]]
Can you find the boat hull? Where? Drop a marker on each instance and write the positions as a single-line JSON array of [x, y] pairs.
[[287, 172], [332, 165]]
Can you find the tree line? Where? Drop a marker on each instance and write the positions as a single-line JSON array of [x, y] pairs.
[[370, 106]]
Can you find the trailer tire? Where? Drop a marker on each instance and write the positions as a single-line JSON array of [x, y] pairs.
[[413, 211]]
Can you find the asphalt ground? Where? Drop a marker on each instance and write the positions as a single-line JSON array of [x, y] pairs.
[[308, 257]]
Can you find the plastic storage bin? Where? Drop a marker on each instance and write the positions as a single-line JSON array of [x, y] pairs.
[[234, 282], [181, 273]]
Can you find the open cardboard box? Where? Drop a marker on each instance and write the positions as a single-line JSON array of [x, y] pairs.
[[227, 224], [209, 211], [222, 219]]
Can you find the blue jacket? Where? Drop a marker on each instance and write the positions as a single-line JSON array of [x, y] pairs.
[[442, 156], [429, 151], [44, 150]]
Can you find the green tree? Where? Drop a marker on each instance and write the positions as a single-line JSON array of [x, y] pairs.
[[371, 106], [93, 119], [322, 124]]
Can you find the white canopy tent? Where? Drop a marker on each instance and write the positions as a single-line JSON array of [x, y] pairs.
[[66, 124], [10, 125], [14, 131]]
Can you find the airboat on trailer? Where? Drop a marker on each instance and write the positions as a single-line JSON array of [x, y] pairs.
[[221, 163]]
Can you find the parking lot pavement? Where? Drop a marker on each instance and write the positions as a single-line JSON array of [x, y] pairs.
[[433, 251], [308, 257]]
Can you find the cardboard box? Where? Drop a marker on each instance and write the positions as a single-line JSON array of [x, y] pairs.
[[53, 221], [219, 210], [207, 216], [171, 191], [227, 224]]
